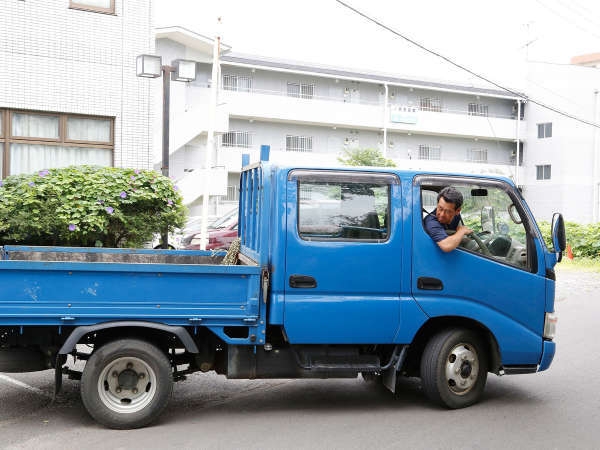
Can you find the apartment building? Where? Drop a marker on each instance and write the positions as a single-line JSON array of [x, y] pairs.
[[562, 155], [69, 93], [309, 114]]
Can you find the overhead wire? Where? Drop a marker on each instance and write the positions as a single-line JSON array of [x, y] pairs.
[[568, 20], [466, 69], [578, 14]]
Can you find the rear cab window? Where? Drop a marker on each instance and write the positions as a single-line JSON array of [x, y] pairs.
[[344, 206]]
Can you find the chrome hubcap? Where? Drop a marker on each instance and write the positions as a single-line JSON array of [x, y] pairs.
[[462, 368]]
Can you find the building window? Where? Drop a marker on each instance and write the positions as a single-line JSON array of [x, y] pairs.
[[544, 130], [431, 104], [300, 90], [237, 139], [298, 143], [237, 83], [478, 109], [543, 172], [100, 6], [36, 140], [430, 152], [477, 155]]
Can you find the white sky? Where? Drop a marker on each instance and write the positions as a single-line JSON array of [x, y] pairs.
[[486, 35]]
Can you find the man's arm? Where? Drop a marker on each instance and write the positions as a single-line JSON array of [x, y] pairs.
[[451, 242]]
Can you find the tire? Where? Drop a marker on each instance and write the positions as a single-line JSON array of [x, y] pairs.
[[126, 384], [454, 368]]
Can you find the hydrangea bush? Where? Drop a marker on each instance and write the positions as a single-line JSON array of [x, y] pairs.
[[88, 206]]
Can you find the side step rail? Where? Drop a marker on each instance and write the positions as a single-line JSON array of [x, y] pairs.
[[350, 361]]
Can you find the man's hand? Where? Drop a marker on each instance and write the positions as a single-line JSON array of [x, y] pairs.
[[464, 230], [451, 242]]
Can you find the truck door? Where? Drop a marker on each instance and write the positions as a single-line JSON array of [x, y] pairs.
[[342, 257], [495, 278]]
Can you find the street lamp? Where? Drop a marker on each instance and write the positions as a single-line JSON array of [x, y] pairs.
[[150, 66]]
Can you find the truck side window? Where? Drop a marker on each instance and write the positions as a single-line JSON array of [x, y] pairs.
[[489, 212], [340, 210]]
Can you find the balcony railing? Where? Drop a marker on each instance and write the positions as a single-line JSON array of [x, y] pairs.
[[349, 99]]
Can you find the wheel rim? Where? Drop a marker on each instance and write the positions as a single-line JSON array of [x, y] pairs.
[[127, 385], [462, 368]]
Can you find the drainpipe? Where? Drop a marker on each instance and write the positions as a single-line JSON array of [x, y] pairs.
[[385, 121], [595, 168], [518, 144]]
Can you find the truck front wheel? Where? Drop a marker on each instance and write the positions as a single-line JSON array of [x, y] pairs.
[[454, 368], [126, 384]]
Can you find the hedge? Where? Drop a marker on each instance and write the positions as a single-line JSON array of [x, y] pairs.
[[88, 206], [583, 239]]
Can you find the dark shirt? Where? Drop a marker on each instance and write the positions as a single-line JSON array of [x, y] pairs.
[[436, 230]]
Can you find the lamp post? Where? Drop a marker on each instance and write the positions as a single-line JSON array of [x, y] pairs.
[[150, 66]]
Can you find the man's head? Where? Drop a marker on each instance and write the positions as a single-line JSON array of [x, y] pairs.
[[449, 202]]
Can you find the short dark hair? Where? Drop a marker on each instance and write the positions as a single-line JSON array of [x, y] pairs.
[[451, 195]]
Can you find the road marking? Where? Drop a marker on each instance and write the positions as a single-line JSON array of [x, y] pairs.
[[24, 385]]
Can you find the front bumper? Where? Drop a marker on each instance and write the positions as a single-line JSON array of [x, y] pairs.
[[548, 350]]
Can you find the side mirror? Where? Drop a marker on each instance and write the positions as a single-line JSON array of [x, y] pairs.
[[559, 235]]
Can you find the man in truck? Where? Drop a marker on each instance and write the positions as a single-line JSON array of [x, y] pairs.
[[447, 217]]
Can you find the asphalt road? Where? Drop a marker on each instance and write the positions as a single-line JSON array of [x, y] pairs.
[[559, 408]]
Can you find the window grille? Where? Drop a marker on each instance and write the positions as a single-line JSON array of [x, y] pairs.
[[478, 109], [431, 104], [298, 143], [543, 172], [429, 152], [300, 90], [477, 155], [237, 139], [237, 83]]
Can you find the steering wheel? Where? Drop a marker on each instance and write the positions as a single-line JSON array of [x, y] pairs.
[[477, 239]]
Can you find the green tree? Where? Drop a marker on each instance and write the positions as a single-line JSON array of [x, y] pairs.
[[88, 206], [365, 157]]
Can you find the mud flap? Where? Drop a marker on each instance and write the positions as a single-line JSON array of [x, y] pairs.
[[58, 376], [390, 375]]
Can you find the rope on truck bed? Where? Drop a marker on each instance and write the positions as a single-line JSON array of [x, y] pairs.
[[232, 253]]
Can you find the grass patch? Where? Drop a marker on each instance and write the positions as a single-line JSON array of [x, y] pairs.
[[579, 264]]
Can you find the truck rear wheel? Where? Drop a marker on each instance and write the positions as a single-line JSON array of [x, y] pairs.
[[454, 368], [126, 384]]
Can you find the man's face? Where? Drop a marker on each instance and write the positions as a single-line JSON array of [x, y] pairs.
[[446, 211]]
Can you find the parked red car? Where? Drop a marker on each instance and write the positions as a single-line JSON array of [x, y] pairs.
[[220, 233]]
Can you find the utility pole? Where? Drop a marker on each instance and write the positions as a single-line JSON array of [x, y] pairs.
[[210, 139], [595, 167]]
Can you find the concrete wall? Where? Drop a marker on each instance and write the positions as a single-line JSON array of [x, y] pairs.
[[65, 60]]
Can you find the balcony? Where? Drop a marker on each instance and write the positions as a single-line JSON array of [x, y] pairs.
[[276, 106]]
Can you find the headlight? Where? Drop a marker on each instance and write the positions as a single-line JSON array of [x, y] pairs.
[[550, 325]]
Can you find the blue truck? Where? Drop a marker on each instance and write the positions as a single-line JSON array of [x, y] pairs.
[[336, 278]]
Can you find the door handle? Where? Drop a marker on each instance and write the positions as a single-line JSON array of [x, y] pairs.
[[429, 284], [302, 282]]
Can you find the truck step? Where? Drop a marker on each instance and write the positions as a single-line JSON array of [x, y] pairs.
[[363, 363]]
